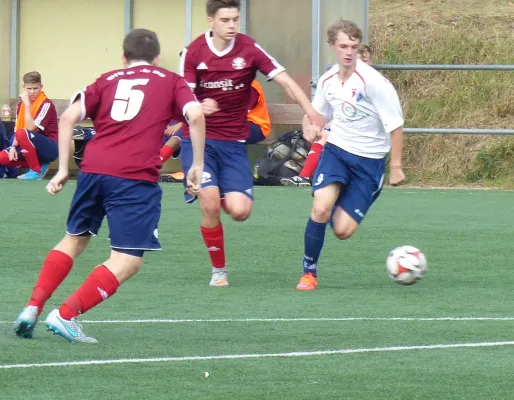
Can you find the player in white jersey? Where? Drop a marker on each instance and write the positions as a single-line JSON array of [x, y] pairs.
[[366, 124]]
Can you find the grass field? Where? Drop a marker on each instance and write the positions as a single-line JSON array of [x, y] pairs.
[[359, 336]]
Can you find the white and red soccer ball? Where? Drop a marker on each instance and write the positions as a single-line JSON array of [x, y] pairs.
[[406, 265]]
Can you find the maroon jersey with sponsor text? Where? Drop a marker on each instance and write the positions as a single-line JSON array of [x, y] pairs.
[[226, 77], [130, 109]]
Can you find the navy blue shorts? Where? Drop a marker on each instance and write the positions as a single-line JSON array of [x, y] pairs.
[[225, 166], [47, 149], [133, 209], [362, 179], [256, 134]]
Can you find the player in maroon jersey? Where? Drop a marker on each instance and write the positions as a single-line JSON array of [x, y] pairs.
[[130, 109], [220, 66]]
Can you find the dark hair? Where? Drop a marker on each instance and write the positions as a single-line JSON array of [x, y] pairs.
[[349, 28], [141, 45], [214, 5], [32, 77]]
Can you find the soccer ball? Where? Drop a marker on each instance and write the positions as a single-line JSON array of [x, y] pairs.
[[406, 265]]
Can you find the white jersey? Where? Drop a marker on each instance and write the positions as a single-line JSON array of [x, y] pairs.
[[364, 110]]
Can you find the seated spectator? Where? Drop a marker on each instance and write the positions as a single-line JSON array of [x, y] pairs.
[[4, 144], [364, 53], [35, 138]]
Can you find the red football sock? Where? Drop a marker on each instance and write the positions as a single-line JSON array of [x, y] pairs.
[[98, 286], [28, 149], [56, 267], [166, 153], [312, 160], [4, 160], [213, 238]]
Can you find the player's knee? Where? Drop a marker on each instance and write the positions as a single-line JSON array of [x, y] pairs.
[[211, 208], [321, 212], [343, 234], [210, 203], [344, 231], [240, 214], [20, 134]]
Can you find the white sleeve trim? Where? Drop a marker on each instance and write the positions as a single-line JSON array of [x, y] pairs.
[[182, 64], [80, 95], [41, 116], [278, 68], [187, 106], [275, 72]]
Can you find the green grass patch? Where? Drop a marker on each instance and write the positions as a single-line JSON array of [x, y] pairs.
[[466, 235]]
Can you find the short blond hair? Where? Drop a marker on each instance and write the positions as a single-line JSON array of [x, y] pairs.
[[349, 28], [364, 49], [32, 77]]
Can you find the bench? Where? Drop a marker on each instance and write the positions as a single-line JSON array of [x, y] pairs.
[[284, 117]]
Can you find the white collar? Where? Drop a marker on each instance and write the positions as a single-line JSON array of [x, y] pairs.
[[138, 64], [210, 42]]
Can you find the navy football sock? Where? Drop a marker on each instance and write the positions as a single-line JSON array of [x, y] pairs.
[[314, 239]]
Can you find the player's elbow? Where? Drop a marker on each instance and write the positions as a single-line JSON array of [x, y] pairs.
[[72, 115], [195, 116]]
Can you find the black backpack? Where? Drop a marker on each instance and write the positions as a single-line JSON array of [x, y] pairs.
[[81, 137], [283, 159]]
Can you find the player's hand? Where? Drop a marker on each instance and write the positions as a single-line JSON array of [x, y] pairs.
[[57, 182], [396, 176], [316, 118], [24, 97], [311, 133], [171, 130], [194, 180], [13, 154], [209, 106]]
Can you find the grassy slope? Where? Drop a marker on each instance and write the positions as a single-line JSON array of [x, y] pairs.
[[451, 32]]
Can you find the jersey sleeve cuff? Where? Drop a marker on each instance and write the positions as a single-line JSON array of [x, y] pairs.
[[393, 124], [275, 72], [186, 107]]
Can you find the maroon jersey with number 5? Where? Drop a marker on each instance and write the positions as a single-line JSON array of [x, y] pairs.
[[130, 109], [225, 76]]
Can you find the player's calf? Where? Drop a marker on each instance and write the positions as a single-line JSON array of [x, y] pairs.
[[124, 264]]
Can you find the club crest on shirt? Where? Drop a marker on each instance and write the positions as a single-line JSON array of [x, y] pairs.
[[238, 63]]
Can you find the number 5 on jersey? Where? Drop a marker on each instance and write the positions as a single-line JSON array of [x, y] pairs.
[[127, 101]]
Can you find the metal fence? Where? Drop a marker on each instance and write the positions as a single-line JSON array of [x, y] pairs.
[[451, 67]]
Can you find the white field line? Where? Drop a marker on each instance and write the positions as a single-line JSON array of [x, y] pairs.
[[320, 319], [251, 356]]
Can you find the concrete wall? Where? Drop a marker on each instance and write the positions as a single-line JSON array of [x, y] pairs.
[[5, 48], [166, 18], [72, 48]]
